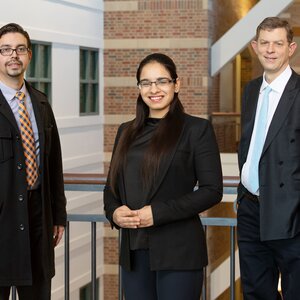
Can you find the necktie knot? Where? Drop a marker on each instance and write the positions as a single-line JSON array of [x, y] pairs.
[[20, 95], [268, 90]]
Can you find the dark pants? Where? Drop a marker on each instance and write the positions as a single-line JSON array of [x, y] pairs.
[[41, 286], [141, 283], [261, 263]]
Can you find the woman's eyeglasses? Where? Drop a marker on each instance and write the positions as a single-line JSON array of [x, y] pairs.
[[159, 82]]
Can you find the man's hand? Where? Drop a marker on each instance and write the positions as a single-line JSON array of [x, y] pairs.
[[57, 234], [124, 217]]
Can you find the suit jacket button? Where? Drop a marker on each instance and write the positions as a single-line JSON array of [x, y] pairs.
[[280, 163], [21, 198], [281, 184], [19, 166], [22, 227]]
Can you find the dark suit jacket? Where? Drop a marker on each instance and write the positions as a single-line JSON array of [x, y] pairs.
[[15, 266], [279, 168], [177, 241]]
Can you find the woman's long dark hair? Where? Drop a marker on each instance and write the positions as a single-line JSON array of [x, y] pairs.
[[164, 138]]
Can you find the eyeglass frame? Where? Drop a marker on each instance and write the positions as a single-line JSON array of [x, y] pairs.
[[156, 82], [15, 50]]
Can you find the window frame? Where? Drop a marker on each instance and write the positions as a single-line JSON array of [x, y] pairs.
[[89, 83], [85, 291], [38, 59]]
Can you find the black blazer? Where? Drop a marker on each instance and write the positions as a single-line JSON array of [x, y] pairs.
[[279, 168], [15, 254], [177, 241]]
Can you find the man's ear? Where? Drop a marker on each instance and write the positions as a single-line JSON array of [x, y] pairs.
[[254, 45], [292, 48]]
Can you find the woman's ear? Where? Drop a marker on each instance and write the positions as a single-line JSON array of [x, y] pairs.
[[177, 85]]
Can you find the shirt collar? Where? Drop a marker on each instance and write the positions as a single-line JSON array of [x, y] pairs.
[[9, 93], [278, 85]]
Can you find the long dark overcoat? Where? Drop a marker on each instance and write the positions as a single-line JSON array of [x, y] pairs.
[[15, 261]]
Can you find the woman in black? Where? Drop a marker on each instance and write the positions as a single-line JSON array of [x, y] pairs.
[[158, 159]]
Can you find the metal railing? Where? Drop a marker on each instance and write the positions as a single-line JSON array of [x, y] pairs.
[[91, 183], [223, 222], [95, 182]]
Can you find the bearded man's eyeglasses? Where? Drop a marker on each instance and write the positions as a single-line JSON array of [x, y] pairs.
[[21, 50]]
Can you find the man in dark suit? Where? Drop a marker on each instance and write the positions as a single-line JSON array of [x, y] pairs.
[[32, 200], [269, 161]]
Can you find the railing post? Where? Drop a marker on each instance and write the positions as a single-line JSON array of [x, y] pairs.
[[232, 263], [120, 272], [14, 293], [93, 260], [204, 287], [67, 261]]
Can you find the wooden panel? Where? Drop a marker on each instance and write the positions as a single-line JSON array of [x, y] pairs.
[[296, 30]]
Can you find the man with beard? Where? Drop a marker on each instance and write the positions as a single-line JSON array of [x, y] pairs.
[[32, 200]]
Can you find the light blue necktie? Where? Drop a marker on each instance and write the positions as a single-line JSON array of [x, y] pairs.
[[258, 142]]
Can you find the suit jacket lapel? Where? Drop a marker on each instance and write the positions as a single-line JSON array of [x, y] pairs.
[[249, 109], [286, 101], [164, 166]]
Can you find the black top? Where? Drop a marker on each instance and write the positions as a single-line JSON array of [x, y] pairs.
[[136, 192]]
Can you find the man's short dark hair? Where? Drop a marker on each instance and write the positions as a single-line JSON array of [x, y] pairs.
[[15, 28]]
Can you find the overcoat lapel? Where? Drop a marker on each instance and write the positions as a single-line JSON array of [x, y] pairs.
[[286, 101], [39, 113], [7, 112]]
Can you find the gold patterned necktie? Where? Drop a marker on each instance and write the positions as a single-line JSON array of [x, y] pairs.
[[27, 141]]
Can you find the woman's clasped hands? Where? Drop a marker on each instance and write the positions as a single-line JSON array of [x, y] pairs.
[[124, 217]]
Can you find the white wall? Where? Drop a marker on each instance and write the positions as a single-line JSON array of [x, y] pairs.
[[68, 25], [75, 22]]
